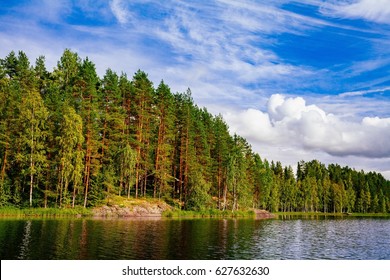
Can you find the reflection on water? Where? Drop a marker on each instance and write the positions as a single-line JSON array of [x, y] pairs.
[[285, 238], [25, 241]]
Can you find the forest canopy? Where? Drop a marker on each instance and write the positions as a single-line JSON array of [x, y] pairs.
[[71, 138]]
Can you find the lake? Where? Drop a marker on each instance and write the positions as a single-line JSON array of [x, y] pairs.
[[203, 239]]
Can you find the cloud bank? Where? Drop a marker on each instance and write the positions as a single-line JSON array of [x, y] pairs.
[[290, 122]]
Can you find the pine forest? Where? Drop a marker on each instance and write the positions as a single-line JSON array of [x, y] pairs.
[[69, 138]]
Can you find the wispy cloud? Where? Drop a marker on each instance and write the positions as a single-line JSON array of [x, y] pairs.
[[120, 11], [47, 10], [226, 41], [375, 11], [247, 59], [363, 92]]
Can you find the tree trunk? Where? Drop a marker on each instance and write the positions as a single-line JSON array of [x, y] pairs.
[[31, 159], [74, 196], [2, 176], [87, 173], [87, 168], [157, 164], [139, 138]]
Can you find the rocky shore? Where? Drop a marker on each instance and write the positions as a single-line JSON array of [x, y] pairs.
[[263, 214], [148, 209], [142, 210]]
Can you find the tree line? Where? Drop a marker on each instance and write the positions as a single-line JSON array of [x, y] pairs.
[[70, 138]]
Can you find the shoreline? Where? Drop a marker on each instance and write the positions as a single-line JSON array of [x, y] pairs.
[[322, 214], [138, 211], [163, 210]]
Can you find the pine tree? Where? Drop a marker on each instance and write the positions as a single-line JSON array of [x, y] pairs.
[[112, 126], [142, 108], [185, 153], [6, 109], [257, 171], [267, 182], [237, 180], [86, 90], [68, 77], [199, 159], [165, 139], [220, 151], [68, 137]]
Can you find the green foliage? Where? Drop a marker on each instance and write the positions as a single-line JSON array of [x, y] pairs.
[[198, 198], [165, 131], [44, 212], [128, 160], [70, 142], [210, 213], [70, 139]]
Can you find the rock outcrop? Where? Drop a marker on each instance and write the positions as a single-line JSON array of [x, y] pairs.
[[142, 210], [263, 214]]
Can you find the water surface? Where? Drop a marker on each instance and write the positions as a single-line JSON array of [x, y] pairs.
[[298, 238]]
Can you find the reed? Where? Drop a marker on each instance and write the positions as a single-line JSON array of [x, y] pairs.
[[44, 212], [210, 213]]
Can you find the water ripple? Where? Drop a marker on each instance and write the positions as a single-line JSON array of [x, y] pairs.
[[302, 238]]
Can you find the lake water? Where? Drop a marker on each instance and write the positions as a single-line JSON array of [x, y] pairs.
[[123, 239]]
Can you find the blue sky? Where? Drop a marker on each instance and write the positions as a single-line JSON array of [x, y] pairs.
[[299, 79]]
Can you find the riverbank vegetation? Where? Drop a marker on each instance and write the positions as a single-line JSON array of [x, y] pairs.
[[313, 215], [210, 213], [10, 211], [69, 138]]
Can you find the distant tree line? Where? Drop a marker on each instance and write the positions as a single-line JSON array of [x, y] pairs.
[[69, 137]]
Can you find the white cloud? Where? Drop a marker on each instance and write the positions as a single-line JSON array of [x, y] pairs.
[[378, 10], [375, 11], [120, 11], [376, 122], [281, 109], [268, 17], [253, 124], [363, 92], [50, 11], [216, 43], [224, 51], [289, 122]]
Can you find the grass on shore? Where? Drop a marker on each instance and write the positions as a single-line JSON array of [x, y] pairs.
[[311, 214], [44, 212], [123, 202], [211, 213]]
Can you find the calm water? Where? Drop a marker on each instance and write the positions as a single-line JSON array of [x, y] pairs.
[[347, 238]]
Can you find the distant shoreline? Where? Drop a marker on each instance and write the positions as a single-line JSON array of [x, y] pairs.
[[332, 214]]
